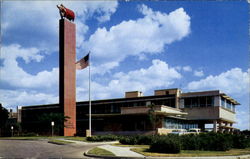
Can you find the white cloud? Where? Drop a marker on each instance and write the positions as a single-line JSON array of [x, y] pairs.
[[198, 73], [187, 69], [147, 35], [13, 98], [40, 19], [242, 118], [16, 76], [159, 74], [233, 81]]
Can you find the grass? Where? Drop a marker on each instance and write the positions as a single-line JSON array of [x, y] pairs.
[[76, 138], [121, 145], [29, 137], [191, 153], [100, 152], [60, 142]]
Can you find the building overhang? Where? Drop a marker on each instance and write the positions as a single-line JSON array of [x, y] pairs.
[[229, 98], [159, 110]]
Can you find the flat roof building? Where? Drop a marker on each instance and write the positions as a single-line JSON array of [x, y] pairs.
[[170, 109]]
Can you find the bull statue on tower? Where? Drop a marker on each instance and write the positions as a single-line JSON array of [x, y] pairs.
[[65, 12]]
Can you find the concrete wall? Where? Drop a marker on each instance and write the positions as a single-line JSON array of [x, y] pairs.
[[166, 91], [134, 110], [163, 131], [227, 115], [202, 113], [210, 113], [133, 94]]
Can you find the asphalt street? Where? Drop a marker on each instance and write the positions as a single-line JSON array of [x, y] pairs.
[[42, 149]]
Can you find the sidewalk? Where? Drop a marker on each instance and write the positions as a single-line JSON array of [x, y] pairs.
[[121, 151], [125, 152]]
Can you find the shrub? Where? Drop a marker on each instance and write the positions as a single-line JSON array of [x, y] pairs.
[[215, 142], [166, 144], [240, 141], [98, 138], [137, 139], [29, 134], [190, 142], [145, 139], [128, 140]]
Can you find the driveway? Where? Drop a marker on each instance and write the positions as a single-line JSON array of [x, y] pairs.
[[42, 149]]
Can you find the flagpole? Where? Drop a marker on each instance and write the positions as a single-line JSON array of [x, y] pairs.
[[89, 101]]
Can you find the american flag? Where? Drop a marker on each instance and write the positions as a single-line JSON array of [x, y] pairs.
[[83, 63]]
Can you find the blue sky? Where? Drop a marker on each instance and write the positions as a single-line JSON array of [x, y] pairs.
[[142, 45]]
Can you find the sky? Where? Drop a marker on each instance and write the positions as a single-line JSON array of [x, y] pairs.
[[135, 45]]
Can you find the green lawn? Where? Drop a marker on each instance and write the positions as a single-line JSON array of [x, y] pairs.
[[76, 138], [29, 137], [100, 152], [60, 142], [121, 145], [189, 153]]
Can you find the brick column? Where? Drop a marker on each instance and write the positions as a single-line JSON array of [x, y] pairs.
[[67, 74]]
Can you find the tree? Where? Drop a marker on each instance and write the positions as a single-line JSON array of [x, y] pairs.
[[153, 118], [58, 118], [4, 114]]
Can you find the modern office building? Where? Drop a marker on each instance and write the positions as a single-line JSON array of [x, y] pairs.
[[162, 112]]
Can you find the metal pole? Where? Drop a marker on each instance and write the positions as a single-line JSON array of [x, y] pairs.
[[52, 131], [89, 100], [52, 128], [12, 131]]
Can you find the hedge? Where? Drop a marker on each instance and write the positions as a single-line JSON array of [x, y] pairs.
[[99, 138], [174, 143], [166, 144]]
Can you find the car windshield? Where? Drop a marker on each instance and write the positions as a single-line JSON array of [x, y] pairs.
[[192, 131]]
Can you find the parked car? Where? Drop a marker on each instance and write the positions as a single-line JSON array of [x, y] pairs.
[[179, 131], [194, 131]]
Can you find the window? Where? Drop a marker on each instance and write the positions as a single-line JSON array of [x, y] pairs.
[[195, 102], [187, 102], [210, 101], [203, 101], [223, 102], [148, 103], [228, 105], [233, 108]]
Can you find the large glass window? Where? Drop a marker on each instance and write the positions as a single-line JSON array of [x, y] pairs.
[[228, 105], [204, 101], [222, 102], [210, 101], [179, 124], [187, 102]]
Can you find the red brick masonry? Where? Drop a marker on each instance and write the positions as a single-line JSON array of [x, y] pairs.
[[67, 88]]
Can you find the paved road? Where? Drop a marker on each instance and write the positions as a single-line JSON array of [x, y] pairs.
[[42, 149]]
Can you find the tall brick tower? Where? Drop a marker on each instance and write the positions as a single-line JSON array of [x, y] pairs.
[[67, 74]]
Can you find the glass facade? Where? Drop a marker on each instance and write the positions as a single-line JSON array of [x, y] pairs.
[[227, 104], [223, 102], [204, 101], [179, 124]]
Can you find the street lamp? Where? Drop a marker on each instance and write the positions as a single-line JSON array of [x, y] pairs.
[[12, 130], [52, 126]]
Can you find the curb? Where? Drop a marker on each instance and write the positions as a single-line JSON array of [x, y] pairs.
[[58, 143], [149, 157]]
